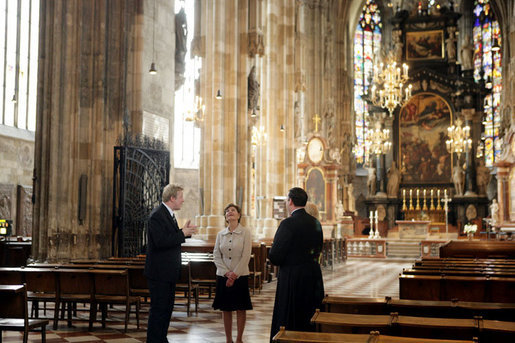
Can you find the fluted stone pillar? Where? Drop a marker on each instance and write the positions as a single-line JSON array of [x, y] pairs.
[[86, 49], [224, 169]]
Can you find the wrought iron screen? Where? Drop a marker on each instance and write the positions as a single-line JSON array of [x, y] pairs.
[[140, 174]]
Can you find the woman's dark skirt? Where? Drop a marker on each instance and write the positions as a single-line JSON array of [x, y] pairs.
[[232, 298]]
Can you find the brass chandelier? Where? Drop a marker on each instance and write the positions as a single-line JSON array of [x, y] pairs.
[[389, 89], [459, 138]]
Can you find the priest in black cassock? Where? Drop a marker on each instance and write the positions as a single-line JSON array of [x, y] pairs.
[[296, 248]]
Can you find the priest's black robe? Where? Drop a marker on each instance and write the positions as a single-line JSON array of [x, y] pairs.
[[300, 288]]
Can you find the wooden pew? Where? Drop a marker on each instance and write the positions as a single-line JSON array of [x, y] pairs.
[[374, 337], [422, 308], [396, 325], [14, 312], [464, 288], [478, 249], [470, 272], [137, 280]]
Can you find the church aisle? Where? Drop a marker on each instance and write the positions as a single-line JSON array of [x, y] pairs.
[[356, 277]]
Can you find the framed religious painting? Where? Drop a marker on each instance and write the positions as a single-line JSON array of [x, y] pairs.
[[424, 45], [315, 187], [423, 156]]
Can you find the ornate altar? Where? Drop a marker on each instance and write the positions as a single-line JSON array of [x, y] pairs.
[[441, 93]]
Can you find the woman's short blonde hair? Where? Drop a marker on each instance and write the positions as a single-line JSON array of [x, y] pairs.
[[312, 209]]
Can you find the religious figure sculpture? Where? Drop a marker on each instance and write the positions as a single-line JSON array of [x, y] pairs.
[[494, 212], [467, 54], [352, 200], [482, 177], [181, 35], [394, 178], [397, 45], [339, 210], [253, 91], [450, 44], [371, 182], [458, 178]]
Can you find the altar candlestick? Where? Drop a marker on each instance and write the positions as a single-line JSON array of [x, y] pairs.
[[432, 206], [418, 199], [411, 199]]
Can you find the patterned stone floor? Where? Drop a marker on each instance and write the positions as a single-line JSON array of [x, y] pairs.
[[355, 277]]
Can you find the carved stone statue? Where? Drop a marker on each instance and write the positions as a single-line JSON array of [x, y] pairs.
[[339, 210], [494, 212], [253, 90], [482, 177], [450, 44], [397, 44], [394, 179], [467, 54], [181, 34], [352, 200], [458, 178], [371, 182]]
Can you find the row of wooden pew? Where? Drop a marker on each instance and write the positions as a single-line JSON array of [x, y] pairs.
[[69, 286], [465, 279], [346, 319]]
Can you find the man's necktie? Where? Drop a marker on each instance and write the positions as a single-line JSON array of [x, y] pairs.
[[175, 220]]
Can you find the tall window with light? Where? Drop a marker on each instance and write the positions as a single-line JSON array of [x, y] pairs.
[[19, 36], [487, 67], [367, 41], [188, 106]]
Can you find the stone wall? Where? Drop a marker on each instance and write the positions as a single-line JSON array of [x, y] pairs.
[[16, 168], [189, 179]]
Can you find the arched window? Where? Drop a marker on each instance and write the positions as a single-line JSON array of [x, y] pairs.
[[487, 66], [367, 41]]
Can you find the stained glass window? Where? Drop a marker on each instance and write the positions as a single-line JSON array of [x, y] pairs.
[[367, 41], [487, 67]]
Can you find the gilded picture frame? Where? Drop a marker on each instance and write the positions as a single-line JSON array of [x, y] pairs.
[[315, 187], [425, 45], [423, 157]]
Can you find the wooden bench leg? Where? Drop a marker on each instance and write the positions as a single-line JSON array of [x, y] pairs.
[[103, 307], [127, 312], [69, 308]]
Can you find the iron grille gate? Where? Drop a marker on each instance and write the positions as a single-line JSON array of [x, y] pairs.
[[140, 175]]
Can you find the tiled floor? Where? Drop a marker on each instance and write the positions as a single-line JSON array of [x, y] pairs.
[[356, 277]]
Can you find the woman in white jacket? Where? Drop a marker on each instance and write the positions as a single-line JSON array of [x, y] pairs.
[[232, 251]]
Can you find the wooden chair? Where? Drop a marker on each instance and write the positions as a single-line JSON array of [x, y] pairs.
[[75, 285], [112, 287], [41, 287], [255, 275], [14, 312], [203, 274], [190, 289]]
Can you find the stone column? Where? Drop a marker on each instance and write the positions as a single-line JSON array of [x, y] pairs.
[[470, 171], [503, 192], [332, 195], [278, 172], [224, 172], [87, 49]]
